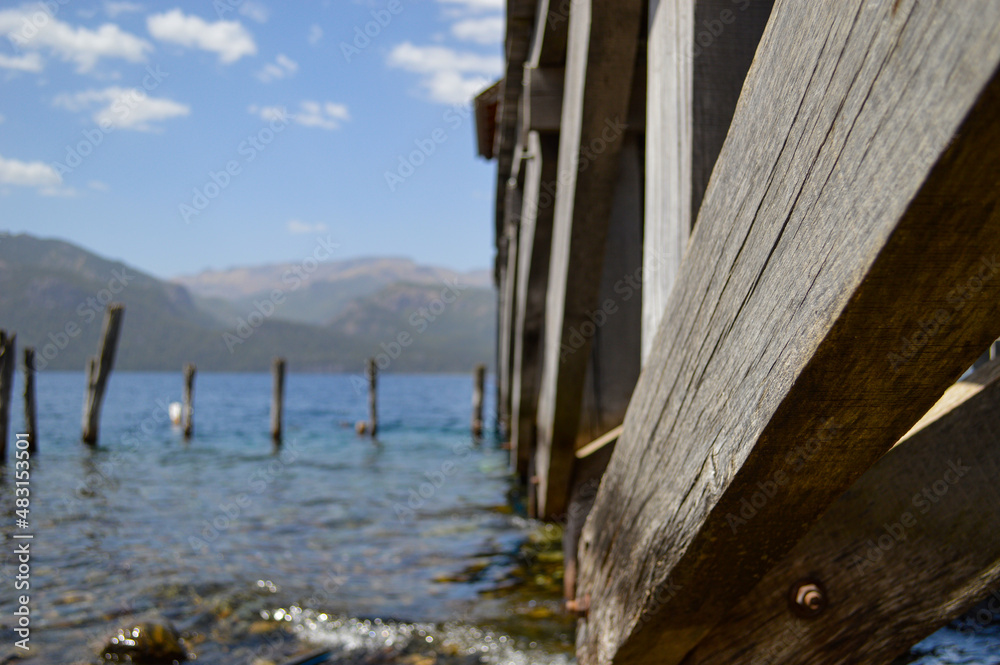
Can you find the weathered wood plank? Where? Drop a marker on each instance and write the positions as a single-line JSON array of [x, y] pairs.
[[541, 105], [841, 275], [535, 246], [614, 325], [699, 52], [601, 54], [668, 156], [548, 41], [99, 371], [908, 548], [508, 286]]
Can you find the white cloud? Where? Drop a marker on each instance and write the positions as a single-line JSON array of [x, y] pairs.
[[28, 174], [273, 71], [113, 9], [488, 30], [449, 77], [33, 27], [98, 185], [227, 38], [124, 108], [64, 192], [315, 34], [297, 227], [474, 5], [29, 62], [255, 11], [326, 115]]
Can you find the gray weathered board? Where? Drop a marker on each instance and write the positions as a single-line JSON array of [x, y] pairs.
[[698, 54], [842, 273], [600, 60]]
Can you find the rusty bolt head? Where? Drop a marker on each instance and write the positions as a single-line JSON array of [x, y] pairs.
[[579, 606], [807, 598]]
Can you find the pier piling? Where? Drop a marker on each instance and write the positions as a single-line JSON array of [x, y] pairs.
[[7, 345], [371, 370], [477, 401], [98, 371], [277, 399], [188, 411], [30, 413]]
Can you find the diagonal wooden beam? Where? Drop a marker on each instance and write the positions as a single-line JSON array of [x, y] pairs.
[[601, 53], [900, 554], [842, 273]]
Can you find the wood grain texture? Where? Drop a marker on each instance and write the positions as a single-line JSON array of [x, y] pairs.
[[908, 548], [535, 247], [601, 54], [99, 370], [841, 275]]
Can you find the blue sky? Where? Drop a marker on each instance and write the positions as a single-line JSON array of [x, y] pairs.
[[192, 135]]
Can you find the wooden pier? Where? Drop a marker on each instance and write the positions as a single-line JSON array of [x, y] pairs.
[[743, 247]]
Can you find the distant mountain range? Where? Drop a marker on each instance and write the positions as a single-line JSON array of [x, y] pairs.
[[328, 316]]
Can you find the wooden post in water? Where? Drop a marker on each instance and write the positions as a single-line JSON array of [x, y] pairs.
[[277, 399], [372, 372], [30, 413], [98, 371], [6, 386], [477, 401], [188, 411]]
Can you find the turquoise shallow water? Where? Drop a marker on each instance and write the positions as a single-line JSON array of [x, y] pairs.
[[250, 552], [369, 550]]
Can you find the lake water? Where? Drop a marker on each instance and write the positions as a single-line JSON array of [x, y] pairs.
[[408, 551], [333, 542]]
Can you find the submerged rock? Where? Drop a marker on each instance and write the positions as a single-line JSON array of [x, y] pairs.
[[147, 643]]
